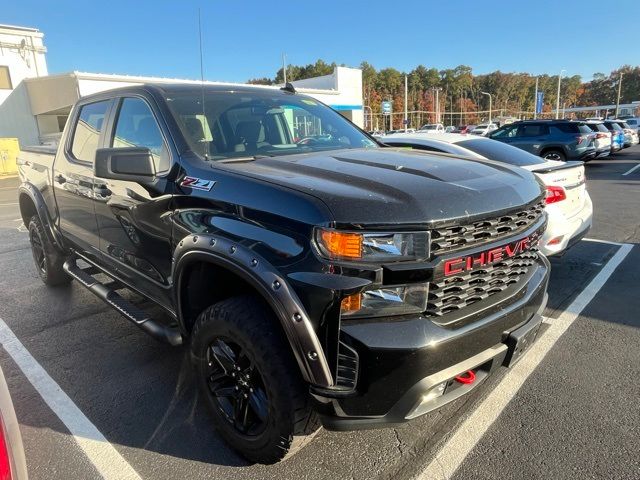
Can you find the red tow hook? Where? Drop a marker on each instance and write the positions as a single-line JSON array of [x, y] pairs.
[[467, 377]]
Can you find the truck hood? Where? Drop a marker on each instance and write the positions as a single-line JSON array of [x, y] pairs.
[[394, 185]]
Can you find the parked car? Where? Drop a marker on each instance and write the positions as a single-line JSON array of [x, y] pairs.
[[551, 139], [432, 128], [450, 129], [13, 465], [313, 282], [484, 129], [465, 128], [634, 122], [617, 135], [602, 139], [568, 203], [630, 134]]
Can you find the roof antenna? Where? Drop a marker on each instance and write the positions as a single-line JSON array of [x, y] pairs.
[[204, 116]]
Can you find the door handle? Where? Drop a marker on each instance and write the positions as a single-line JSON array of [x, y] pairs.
[[102, 190], [60, 179]]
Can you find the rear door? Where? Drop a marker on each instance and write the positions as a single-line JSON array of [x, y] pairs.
[[135, 232], [73, 179], [531, 137]]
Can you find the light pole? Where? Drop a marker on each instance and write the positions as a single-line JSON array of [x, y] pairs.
[[535, 101], [406, 90], [437, 90], [619, 90], [558, 95], [490, 104]]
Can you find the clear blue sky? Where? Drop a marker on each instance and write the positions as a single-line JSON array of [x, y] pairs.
[[245, 38]]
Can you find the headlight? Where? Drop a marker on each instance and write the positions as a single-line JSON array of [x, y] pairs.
[[372, 246], [386, 301]]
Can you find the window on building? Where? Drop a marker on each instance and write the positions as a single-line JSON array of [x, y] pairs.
[[87, 132], [5, 78], [137, 127]]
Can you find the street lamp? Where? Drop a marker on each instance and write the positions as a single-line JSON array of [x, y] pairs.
[[558, 96], [490, 104]]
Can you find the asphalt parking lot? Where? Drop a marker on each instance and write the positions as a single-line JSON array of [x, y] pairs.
[[570, 412]]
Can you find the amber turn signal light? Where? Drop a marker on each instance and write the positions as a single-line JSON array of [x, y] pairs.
[[341, 244], [352, 303]]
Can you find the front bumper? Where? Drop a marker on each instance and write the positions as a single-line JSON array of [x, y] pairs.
[[402, 359]]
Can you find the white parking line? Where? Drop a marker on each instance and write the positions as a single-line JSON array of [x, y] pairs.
[[465, 437], [602, 241], [109, 463], [631, 170]]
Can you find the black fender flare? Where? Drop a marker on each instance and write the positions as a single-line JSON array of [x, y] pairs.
[[273, 287], [36, 197]]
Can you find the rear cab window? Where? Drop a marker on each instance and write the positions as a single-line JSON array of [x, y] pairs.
[[86, 133]]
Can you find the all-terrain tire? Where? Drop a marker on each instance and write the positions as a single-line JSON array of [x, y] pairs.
[[46, 256], [248, 322]]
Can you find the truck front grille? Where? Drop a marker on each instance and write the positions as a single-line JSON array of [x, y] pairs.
[[448, 239], [457, 292]]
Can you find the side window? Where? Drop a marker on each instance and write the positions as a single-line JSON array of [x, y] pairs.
[[505, 132], [533, 130], [87, 131], [137, 127]]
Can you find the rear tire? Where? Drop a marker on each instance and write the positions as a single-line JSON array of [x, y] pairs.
[[554, 155], [46, 256], [259, 402]]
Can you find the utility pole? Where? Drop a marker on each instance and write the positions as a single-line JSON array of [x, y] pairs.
[[406, 93], [619, 90], [558, 95], [284, 68], [490, 104], [535, 101]]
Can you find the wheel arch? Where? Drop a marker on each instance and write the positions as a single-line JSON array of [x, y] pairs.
[[31, 202], [263, 279]]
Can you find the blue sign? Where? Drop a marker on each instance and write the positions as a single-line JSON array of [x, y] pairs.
[[386, 107], [539, 102]]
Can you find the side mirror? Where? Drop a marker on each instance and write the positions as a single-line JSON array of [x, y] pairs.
[[131, 164]]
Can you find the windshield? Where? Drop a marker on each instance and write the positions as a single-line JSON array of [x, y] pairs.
[[247, 124], [429, 127], [501, 152]]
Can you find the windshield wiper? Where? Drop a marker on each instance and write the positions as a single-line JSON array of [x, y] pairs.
[[250, 158]]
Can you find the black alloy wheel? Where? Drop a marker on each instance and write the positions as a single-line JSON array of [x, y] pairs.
[[37, 248], [237, 388]]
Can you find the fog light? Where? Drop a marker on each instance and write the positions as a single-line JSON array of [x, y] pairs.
[[435, 392]]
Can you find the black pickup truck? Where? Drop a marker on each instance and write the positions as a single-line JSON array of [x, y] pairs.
[[318, 277]]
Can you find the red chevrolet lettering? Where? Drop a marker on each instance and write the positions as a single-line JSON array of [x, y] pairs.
[[450, 267], [479, 260], [489, 257]]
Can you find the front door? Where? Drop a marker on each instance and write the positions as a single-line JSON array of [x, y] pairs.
[[135, 234]]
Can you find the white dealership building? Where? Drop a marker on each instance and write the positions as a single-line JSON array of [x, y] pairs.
[[34, 106]]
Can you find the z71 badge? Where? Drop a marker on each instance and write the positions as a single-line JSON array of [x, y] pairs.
[[198, 183]]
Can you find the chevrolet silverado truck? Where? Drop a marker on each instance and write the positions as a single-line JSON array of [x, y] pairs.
[[315, 277]]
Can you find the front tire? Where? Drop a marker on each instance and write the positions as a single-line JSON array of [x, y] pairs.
[[245, 369], [46, 256]]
